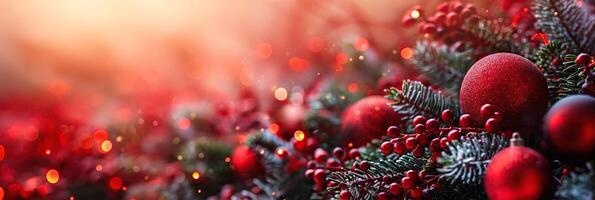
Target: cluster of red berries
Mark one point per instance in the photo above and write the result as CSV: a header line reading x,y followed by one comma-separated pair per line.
x,y
322,164
408,185
449,16
428,132
588,62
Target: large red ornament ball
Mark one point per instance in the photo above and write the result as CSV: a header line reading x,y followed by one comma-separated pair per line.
x,y
518,172
367,119
570,128
246,163
511,83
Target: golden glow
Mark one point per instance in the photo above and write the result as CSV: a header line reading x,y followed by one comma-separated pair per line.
x,y
280,151
299,135
281,94
52,176
106,146
195,175
415,14
407,53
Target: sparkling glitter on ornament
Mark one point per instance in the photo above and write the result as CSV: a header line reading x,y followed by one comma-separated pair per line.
x,y
281,94
184,123
105,146
195,175
52,176
115,183
299,135
264,50
407,53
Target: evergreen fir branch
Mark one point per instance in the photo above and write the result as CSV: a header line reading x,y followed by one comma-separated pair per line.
x,y
578,185
466,160
496,36
565,21
367,184
443,65
416,99
562,80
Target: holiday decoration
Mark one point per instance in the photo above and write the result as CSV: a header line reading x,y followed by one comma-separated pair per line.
x,y
518,172
367,119
246,163
569,128
512,84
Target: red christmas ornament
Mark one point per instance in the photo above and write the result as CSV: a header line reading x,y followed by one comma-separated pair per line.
x,y
509,82
570,128
518,172
367,119
246,163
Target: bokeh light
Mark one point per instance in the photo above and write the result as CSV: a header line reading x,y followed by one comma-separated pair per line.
x,y
52,176
281,94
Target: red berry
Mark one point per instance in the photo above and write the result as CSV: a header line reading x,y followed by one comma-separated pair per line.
x,y
419,151
422,138
339,152
457,6
399,148
408,21
443,142
320,155
435,145
454,135
309,173
465,120
382,196
311,164
452,19
420,128
407,182
344,195
416,193
410,143
386,148
434,186
354,153
412,174
440,18
393,131
319,175
447,115
423,174
497,116
582,59
432,124
467,12
419,120
443,7
394,189
364,165
486,111
332,163
492,125
355,166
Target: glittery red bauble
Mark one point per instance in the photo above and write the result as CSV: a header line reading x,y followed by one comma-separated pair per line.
x,y
518,172
367,119
246,163
511,83
570,128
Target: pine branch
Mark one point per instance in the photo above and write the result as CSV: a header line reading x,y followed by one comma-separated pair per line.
x,y
562,80
496,36
367,184
443,65
416,99
565,21
466,160
578,185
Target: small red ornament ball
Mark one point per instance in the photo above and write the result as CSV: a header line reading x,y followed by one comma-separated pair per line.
x,y
518,172
367,119
509,82
570,128
246,163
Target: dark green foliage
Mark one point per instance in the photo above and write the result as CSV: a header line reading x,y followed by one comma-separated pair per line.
x,y
496,36
366,185
565,21
417,99
563,80
443,65
215,172
465,160
578,185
